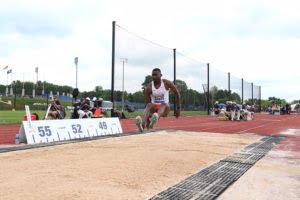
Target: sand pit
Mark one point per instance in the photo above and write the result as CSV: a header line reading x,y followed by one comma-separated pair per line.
x,y
133,167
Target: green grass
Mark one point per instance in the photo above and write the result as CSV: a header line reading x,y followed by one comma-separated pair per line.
x,y
16,117
33,103
39,106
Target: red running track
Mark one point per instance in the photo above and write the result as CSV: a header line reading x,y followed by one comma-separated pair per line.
x,y
262,124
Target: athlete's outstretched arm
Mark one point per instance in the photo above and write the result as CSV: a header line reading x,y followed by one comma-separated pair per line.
x,y
177,96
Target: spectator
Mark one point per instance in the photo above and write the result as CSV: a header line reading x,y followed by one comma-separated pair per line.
x,y
288,108
85,110
57,111
235,114
216,108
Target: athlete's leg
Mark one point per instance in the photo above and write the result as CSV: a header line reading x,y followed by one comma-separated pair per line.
x,y
139,123
149,110
163,111
142,122
147,123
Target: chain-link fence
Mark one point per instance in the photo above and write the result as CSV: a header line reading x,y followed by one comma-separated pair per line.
x,y
200,85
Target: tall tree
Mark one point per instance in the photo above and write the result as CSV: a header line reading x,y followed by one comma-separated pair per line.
x,y
98,88
183,91
147,80
235,97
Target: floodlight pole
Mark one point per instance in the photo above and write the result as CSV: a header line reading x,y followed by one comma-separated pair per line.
x,y
23,90
6,91
76,63
208,98
113,68
43,87
242,90
174,63
37,74
11,89
15,100
37,78
123,60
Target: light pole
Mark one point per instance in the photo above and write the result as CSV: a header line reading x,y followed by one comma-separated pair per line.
x,y
37,77
43,87
6,91
76,63
37,74
23,90
11,89
123,60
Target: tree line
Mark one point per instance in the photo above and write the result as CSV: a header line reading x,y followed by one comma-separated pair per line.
x,y
189,96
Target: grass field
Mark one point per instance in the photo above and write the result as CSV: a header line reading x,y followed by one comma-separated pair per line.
x,y
16,117
39,106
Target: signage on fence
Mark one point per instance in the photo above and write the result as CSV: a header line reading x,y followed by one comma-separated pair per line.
x,y
42,131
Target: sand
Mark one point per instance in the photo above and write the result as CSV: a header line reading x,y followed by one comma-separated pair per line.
x,y
131,167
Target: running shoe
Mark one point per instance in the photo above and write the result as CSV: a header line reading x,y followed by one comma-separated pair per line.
x,y
154,119
139,123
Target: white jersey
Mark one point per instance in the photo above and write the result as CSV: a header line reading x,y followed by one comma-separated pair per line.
x,y
160,95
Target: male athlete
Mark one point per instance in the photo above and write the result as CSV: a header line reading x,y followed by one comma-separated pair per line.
x,y
157,101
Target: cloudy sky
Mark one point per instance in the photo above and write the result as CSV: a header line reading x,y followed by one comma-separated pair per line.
x,y
257,40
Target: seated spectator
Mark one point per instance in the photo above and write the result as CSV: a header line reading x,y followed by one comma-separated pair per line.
x,y
216,108
229,109
235,113
223,115
246,114
97,110
288,108
75,108
36,116
57,111
92,104
297,108
98,113
85,110
98,103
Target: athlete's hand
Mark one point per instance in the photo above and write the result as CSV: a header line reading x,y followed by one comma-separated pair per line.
x,y
177,113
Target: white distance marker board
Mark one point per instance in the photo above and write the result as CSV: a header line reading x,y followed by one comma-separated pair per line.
x,y
43,131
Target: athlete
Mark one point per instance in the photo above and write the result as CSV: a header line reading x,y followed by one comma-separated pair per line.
x,y
157,101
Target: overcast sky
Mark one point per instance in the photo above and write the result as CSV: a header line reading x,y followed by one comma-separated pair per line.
x,y
258,40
